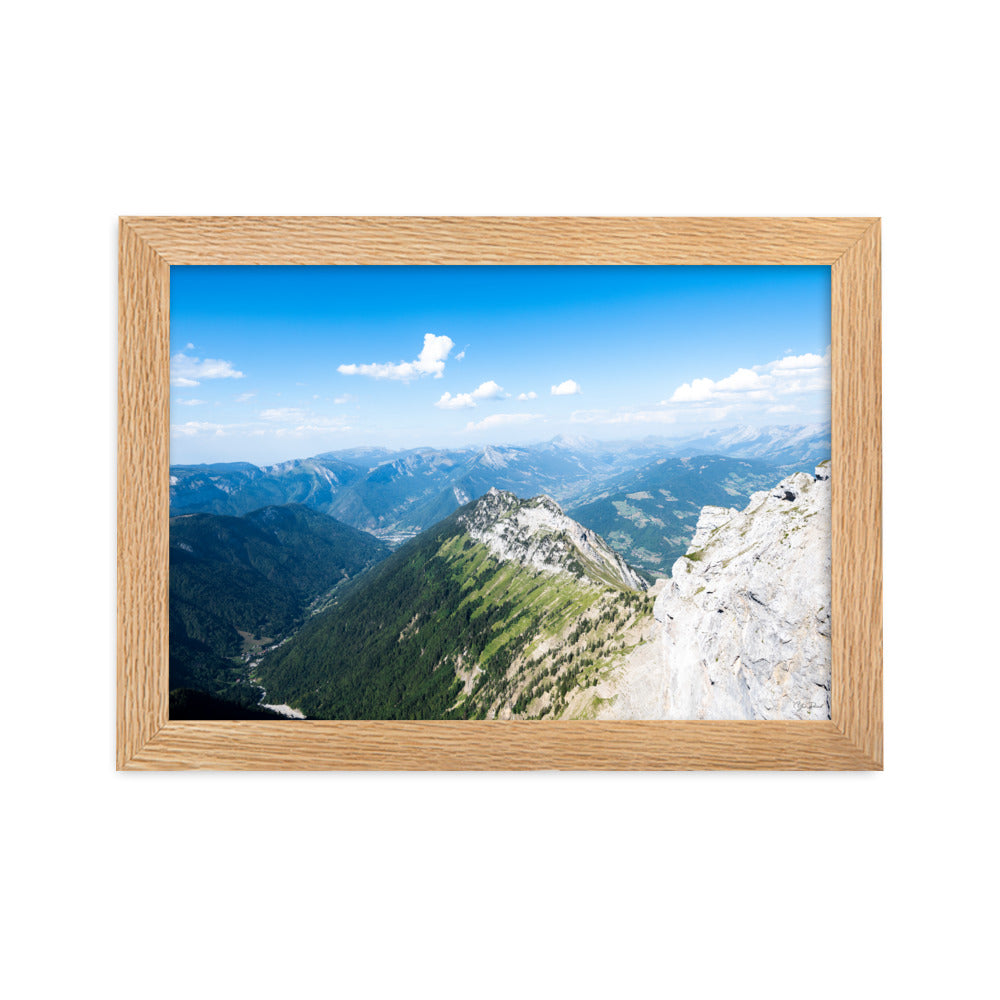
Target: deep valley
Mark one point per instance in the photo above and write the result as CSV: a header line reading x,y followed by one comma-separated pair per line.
x,y
499,583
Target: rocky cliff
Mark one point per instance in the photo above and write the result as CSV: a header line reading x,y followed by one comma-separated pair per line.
x,y
744,622
537,534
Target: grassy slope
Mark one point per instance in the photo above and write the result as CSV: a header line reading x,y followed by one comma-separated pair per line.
x,y
442,629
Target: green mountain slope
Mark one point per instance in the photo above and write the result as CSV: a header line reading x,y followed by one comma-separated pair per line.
x,y
461,622
649,516
239,582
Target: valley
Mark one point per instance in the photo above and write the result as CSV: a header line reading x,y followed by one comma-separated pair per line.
x,y
463,597
238,584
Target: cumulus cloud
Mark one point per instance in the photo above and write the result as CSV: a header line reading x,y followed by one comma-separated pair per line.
x,y
186,371
501,420
693,392
742,380
489,390
429,362
800,363
791,375
527,395
567,388
460,401
467,400
245,397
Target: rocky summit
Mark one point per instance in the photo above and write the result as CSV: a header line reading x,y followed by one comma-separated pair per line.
x,y
743,625
537,534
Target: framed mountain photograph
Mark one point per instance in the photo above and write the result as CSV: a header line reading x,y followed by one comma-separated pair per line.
x,y
504,493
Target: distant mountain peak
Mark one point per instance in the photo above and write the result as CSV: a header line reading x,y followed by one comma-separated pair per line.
x,y
537,534
494,457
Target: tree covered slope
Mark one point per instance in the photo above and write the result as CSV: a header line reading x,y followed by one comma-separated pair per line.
x,y
650,515
504,609
237,581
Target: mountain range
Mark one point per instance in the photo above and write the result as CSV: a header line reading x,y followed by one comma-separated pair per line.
x,y
789,448
396,494
483,595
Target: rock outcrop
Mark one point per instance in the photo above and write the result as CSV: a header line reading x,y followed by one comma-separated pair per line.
x,y
538,534
744,622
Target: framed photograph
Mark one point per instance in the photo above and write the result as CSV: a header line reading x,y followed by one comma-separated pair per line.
x,y
499,493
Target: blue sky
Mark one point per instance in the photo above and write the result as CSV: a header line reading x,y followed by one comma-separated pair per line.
x,y
271,363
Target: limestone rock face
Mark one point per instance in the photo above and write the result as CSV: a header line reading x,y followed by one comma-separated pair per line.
x,y
538,534
744,621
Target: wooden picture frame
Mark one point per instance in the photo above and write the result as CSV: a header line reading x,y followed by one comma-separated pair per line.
x,y
148,740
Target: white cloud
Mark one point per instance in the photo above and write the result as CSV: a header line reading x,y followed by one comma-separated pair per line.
x,y
800,363
460,355
467,400
501,420
186,371
245,397
489,390
314,425
527,395
742,380
283,413
190,347
195,428
276,423
567,388
346,398
430,362
461,401
791,375
782,408
190,402
693,392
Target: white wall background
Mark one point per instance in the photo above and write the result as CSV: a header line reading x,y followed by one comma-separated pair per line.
x,y
498,885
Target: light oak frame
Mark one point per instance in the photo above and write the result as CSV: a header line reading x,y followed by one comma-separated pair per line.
x,y
147,740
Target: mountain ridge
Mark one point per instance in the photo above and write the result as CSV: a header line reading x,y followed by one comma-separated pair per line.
x,y
397,494
492,613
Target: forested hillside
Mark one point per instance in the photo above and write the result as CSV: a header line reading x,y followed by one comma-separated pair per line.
x,y
649,515
447,628
238,583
